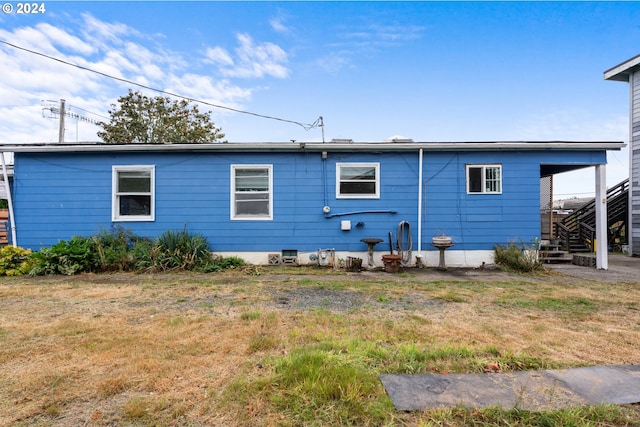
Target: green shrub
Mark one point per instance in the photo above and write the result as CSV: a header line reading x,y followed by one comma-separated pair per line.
x,y
142,253
518,257
15,261
113,249
70,257
221,264
121,250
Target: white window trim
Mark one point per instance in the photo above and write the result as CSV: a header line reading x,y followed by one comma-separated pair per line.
x,y
115,206
232,206
484,167
375,165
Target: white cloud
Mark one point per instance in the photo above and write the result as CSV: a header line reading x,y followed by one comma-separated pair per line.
x,y
218,92
278,25
116,50
63,39
335,61
104,32
251,60
573,125
218,55
365,40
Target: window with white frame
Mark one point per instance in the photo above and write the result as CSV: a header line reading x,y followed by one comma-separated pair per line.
x,y
133,193
358,180
484,179
251,192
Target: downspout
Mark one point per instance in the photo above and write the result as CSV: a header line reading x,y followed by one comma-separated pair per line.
x,y
12,220
420,204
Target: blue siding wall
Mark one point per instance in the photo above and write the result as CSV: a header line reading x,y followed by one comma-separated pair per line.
x,y
58,196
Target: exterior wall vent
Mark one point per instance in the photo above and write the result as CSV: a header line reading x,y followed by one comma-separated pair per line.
x,y
275,259
289,257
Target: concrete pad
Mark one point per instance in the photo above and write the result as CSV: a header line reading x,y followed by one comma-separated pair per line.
x,y
529,390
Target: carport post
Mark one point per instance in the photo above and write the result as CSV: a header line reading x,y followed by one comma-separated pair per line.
x,y
602,244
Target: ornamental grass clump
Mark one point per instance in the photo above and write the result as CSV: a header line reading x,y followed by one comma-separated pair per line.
x,y
175,250
518,257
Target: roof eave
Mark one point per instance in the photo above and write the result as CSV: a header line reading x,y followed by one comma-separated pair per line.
x,y
621,72
318,146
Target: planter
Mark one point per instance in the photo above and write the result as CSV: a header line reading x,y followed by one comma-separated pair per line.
x,y
441,240
391,263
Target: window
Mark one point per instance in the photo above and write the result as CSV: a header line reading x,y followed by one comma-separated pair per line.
x,y
358,180
133,193
251,192
484,179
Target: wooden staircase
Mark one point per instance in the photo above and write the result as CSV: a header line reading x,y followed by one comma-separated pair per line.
x,y
4,227
576,233
552,253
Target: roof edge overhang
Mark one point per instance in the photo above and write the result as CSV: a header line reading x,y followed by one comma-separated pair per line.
x,y
622,71
317,146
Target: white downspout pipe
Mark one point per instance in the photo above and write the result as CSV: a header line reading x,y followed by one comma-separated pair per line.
x,y
602,245
12,219
420,204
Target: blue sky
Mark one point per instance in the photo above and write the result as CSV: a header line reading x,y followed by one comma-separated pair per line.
x,y
430,71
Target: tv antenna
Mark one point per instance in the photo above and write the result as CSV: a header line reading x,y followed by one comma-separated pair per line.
x,y
60,112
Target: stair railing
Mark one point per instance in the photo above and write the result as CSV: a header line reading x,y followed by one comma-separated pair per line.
x,y
587,235
563,234
583,219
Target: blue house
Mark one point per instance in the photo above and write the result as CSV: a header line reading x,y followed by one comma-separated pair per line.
x,y
306,202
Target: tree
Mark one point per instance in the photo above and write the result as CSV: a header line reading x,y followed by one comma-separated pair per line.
x,y
140,119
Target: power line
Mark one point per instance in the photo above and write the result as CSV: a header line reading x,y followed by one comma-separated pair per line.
x,y
307,127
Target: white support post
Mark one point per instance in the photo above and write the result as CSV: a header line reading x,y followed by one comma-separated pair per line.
x,y
602,245
631,189
12,220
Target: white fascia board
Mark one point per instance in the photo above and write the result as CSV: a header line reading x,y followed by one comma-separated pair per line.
x,y
318,147
621,71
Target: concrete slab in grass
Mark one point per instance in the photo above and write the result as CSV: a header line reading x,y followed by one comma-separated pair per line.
x,y
530,390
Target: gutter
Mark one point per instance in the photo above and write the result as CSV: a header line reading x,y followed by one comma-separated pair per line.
x,y
319,147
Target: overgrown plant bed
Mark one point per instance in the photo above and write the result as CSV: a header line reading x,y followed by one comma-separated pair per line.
x,y
295,346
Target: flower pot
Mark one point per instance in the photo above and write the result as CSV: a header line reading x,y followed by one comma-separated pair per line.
x,y
391,263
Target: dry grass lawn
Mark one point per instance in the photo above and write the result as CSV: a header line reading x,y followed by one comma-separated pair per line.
x,y
128,349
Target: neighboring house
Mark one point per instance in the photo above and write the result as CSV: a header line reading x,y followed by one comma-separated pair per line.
x,y
294,199
6,167
629,71
6,175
